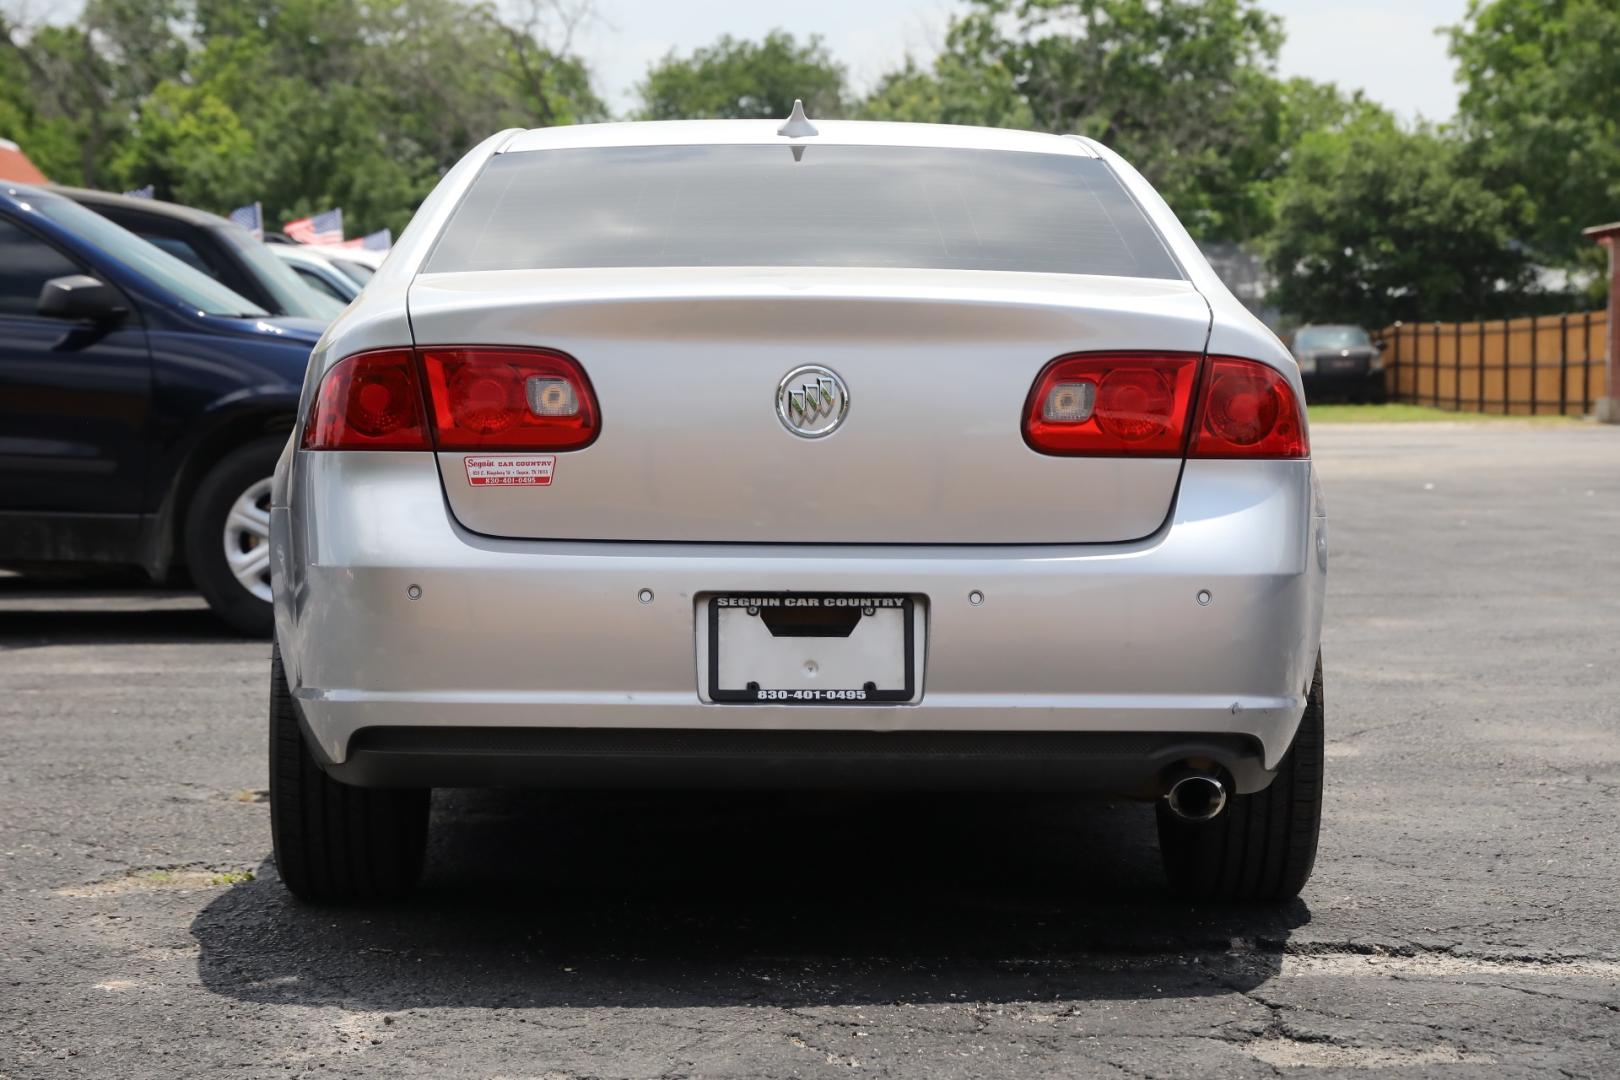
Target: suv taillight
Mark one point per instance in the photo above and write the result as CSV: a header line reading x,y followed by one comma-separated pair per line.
x,y
1143,405
477,398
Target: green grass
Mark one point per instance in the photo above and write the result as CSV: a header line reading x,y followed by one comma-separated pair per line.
x,y
1400,413
192,878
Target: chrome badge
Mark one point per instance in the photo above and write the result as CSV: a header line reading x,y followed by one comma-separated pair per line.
x,y
811,401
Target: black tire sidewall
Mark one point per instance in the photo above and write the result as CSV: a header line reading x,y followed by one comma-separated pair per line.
x,y
330,841
1262,847
205,527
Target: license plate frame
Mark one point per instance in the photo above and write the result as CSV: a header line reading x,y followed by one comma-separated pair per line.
x,y
906,604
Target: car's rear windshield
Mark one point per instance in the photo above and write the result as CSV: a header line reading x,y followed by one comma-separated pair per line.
x,y
822,205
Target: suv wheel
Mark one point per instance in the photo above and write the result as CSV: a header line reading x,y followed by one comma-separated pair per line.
x,y
1262,846
227,537
333,841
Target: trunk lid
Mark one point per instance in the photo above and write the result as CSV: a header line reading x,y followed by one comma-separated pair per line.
x,y
686,364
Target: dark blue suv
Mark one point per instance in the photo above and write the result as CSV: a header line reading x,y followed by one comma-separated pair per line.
x,y
142,407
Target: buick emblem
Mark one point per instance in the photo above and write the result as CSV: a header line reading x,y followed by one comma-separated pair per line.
x,y
812,401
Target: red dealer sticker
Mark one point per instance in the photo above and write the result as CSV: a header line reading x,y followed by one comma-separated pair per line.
x,y
509,470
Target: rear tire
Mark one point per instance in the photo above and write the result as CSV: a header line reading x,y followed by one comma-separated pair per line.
x,y
1262,847
333,841
229,519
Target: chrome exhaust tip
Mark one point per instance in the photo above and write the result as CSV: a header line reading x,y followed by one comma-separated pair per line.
x,y
1198,797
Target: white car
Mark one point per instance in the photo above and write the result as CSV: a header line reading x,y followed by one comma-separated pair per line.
x,y
317,271
358,264
840,454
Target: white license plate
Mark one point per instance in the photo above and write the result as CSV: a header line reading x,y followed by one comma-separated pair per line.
x,y
811,648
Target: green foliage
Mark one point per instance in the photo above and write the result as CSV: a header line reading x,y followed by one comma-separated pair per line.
x,y
309,104
1540,110
300,104
1306,106
734,79
1402,413
80,81
1363,221
1376,224
949,93
51,143
970,82
192,145
1182,88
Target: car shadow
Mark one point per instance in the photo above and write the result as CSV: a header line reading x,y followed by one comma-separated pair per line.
x,y
674,899
101,609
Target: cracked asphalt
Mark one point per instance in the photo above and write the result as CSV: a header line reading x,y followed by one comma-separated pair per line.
x,y
1464,919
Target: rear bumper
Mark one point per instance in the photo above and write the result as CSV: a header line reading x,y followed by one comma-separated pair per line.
x,y
1130,764
508,635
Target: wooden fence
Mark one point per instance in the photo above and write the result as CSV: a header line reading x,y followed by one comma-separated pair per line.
x,y
1553,364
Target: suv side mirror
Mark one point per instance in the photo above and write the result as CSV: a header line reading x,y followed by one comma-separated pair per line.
x,y
80,297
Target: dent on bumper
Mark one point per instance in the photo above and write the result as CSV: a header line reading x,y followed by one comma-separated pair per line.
x,y
508,633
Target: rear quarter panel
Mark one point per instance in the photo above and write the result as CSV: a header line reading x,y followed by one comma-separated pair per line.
x,y
1234,329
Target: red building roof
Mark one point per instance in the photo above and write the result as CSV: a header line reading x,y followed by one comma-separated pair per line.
x,y
15,166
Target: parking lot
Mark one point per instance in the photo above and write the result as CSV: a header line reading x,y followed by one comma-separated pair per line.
x,y
1463,920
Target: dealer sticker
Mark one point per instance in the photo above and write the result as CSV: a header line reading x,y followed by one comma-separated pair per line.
x,y
526,470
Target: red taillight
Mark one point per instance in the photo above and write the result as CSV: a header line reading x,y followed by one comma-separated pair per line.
x,y
490,399
1104,404
508,399
1137,404
1247,410
369,401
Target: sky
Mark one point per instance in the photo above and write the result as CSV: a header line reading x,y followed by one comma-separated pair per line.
x,y
1388,48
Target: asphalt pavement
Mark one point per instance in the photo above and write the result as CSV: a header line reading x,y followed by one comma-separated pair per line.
x,y
1464,920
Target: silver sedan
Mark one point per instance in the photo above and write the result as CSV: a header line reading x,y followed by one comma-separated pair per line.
x,y
808,454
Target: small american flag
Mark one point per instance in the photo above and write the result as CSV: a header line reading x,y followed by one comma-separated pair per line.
x,y
381,240
323,228
251,218
142,192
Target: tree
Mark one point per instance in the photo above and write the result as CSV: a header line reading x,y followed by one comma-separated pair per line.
x,y
83,80
742,79
968,83
1306,106
51,141
299,104
1540,109
1182,88
1376,224
193,145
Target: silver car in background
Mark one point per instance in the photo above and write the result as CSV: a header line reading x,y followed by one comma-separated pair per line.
x,y
836,455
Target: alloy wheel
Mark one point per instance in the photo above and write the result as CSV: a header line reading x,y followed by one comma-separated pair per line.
x,y
247,539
